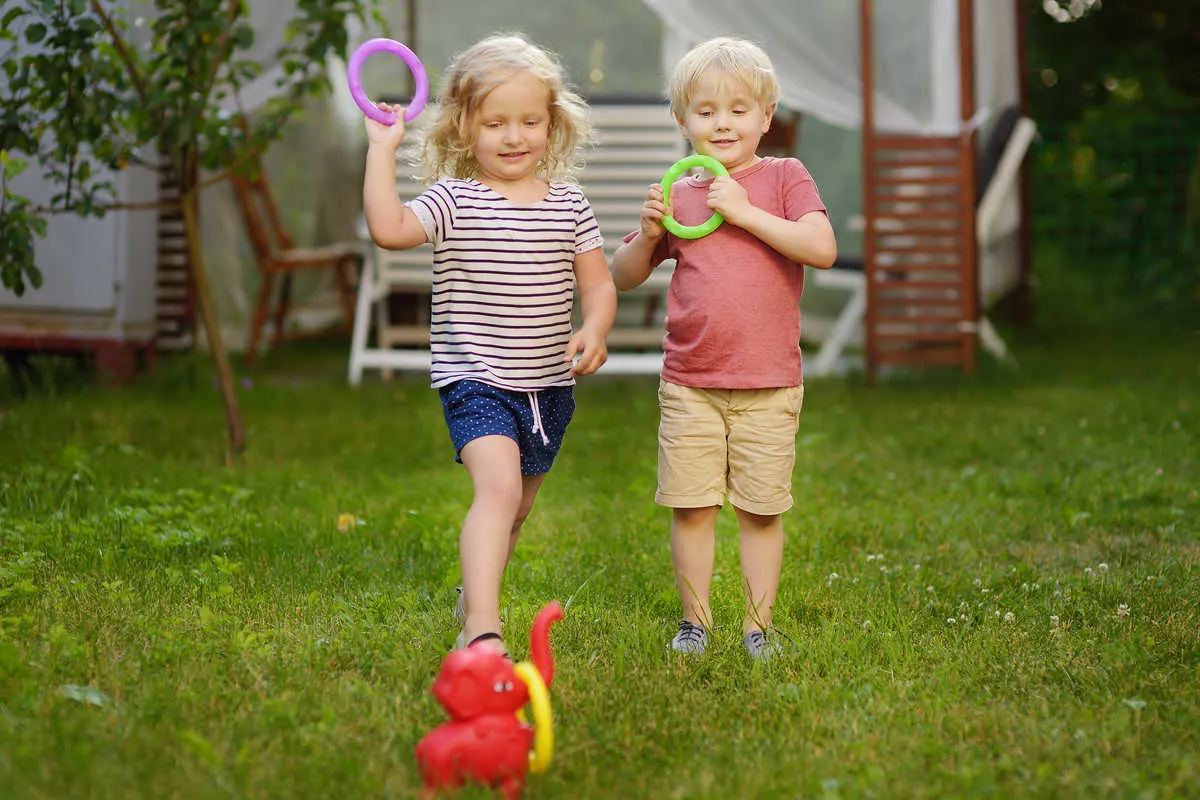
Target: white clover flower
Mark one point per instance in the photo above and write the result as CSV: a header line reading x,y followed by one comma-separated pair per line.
x,y
929,589
1010,617
1025,586
1122,611
1102,567
1054,620
951,620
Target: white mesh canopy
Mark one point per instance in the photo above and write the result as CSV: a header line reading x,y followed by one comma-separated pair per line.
x,y
814,45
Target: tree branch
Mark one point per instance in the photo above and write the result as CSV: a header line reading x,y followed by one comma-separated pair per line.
x,y
139,82
149,205
224,47
249,153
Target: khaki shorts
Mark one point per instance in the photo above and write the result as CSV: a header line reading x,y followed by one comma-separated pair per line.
x,y
739,443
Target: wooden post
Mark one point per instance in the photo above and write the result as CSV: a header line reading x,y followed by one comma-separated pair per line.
x,y
1024,296
970,254
868,182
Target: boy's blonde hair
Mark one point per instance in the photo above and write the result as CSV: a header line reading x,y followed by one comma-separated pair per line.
x,y
742,60
474,73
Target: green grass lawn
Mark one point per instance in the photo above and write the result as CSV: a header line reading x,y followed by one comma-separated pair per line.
x,y
990,582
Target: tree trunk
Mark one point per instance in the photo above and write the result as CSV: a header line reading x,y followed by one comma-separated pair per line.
x,y
189,197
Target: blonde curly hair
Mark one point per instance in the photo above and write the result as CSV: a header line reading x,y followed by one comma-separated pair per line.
x,y
447,145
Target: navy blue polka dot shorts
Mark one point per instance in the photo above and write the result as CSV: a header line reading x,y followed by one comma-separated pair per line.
x,y
536,421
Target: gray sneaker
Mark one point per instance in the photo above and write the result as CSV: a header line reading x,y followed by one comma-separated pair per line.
x,y
460,610
761,646
691,638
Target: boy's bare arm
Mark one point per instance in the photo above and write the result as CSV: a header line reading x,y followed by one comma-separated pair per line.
x,y
809,240
631,262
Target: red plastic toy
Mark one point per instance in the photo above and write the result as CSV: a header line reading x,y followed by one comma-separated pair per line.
x,y
486,741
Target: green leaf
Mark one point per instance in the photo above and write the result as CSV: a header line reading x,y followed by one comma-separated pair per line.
x,y
35,33
12,14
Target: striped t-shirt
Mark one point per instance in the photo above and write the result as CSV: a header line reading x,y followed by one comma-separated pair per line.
x,y
503,282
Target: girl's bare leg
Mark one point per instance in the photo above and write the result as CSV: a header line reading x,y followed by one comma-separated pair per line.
x,y
503,499
486,541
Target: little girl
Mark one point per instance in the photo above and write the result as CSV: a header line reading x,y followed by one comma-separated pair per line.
x,y
511,241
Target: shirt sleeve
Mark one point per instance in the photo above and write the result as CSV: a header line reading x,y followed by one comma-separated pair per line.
x,y
800,195
434,209
587,230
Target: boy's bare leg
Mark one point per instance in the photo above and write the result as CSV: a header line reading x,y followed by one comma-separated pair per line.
x,y
486,541
761,546
693,548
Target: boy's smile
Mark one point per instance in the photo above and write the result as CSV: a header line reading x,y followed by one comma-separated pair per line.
x,y
722,120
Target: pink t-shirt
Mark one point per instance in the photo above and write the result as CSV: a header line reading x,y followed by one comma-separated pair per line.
x,y
733,307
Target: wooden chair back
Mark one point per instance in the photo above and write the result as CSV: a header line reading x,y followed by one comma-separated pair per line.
x,y
267,234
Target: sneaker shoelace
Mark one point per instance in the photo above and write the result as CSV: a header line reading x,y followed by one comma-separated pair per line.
x,y
690,633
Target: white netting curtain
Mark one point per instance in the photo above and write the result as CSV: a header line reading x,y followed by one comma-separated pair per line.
x,y
814,45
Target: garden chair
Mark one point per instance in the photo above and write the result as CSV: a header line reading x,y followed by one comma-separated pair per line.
x,y
999,163
278,258
637,142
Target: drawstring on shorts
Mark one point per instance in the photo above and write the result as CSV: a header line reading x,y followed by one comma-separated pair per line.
x,y
537,417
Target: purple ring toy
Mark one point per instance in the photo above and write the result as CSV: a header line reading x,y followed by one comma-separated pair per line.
x,y
420,80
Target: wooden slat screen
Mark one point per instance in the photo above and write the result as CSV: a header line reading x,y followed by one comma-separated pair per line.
x,y
176,310
921,270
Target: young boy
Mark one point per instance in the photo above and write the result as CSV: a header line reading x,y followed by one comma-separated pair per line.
x,y
731,386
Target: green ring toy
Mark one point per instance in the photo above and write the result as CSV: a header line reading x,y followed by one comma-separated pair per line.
x,y
709,225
